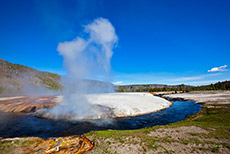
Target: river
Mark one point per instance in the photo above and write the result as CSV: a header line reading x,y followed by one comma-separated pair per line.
x,y
21,125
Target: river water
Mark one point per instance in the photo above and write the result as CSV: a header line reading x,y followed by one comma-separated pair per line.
x,y
19,125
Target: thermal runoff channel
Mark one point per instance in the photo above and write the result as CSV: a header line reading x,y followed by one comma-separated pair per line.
x,y
88,92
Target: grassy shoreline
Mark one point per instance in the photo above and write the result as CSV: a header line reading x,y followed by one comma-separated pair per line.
x,y
215,122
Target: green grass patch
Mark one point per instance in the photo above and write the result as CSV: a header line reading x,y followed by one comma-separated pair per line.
x,y
194,134
195,140
50,80
215,120
215,149
167,140
120,133
204,149
186,142
119,139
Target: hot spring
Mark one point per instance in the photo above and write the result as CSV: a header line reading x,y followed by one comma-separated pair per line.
x,y
18,125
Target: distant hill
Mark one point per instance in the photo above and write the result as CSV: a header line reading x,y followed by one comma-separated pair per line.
x,y
225,85
151,88
18,79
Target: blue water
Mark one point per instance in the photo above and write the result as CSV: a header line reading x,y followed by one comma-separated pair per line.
x,y
16,125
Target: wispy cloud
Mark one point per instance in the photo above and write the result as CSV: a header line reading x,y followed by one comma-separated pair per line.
x,y
205,82
118,82
172,79
218,69
192,78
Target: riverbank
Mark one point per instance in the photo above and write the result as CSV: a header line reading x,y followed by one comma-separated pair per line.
x,y
204,132
207,131
208,99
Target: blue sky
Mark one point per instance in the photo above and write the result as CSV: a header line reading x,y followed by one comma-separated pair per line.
x,y
160,42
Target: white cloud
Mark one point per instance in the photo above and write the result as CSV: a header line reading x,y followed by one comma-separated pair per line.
x,y
118,82
218,69
205,82
192,78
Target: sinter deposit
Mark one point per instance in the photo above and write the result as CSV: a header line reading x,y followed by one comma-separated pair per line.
x,y
109,104
204,97
116,105
24,104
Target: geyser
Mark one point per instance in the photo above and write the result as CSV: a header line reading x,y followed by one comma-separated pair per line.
x,y
86,58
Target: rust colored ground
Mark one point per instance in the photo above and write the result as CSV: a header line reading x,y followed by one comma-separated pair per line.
x,y
64,145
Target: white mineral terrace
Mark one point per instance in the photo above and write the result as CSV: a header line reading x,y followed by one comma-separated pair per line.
x,y
128,104
207,97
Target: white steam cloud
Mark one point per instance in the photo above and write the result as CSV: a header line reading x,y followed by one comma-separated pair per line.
x,y
85,58
92,54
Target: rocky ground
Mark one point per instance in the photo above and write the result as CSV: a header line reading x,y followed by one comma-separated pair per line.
x,y
183,139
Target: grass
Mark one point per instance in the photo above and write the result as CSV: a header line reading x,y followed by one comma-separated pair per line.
x,y
167,140
18,144
20,68
192,140
215,149
119,139
50,80
186,142
215,120
194,134
122,133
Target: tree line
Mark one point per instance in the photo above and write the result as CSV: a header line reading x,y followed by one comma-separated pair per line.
x,y
225,85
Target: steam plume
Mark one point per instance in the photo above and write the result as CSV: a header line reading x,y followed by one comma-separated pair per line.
x,y
85,58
